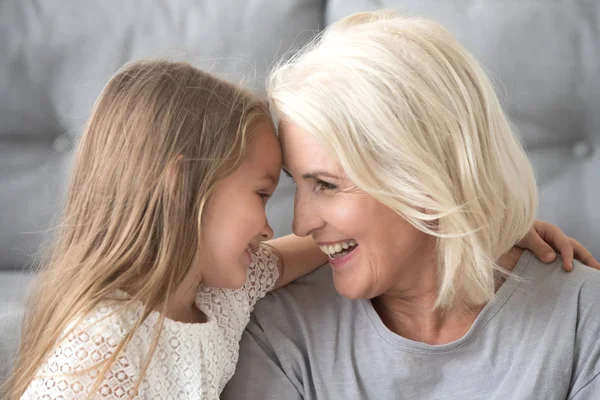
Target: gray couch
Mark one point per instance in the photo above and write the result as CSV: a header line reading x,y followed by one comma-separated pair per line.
x,y
544,57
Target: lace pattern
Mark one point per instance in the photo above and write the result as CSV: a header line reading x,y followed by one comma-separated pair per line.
x,y
191,361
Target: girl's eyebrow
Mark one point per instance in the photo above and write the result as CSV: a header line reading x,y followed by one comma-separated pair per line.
x,y
270,177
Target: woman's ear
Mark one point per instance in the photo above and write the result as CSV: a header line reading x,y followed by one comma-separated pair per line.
x,y
173,176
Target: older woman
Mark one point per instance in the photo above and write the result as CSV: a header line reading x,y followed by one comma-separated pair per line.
x,y
409,176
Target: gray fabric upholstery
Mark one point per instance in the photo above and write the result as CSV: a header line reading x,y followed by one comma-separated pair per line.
x,y
10,330
57,54
13,287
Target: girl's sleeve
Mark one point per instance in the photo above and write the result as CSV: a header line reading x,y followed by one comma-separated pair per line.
x,y
262,274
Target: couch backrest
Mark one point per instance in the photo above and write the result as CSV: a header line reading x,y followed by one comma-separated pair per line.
x,y
544,57
57,55
10,332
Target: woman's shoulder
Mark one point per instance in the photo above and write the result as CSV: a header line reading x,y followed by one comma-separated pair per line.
x,y
584,282
573,294
305,301
587,279
310,290
581,278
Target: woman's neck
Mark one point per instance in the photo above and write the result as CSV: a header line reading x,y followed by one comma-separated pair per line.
x,y
415,318
410,313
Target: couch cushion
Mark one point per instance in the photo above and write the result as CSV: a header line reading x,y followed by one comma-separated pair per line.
x,y
57,55
13,288
10,332
544,58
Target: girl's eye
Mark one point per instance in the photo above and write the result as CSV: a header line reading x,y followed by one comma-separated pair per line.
x,y
264,196
325,186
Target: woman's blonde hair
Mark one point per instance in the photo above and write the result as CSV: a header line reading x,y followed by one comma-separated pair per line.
x,y
160,136
414,122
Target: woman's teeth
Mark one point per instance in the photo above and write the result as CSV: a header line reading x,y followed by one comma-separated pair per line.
x,y
339,249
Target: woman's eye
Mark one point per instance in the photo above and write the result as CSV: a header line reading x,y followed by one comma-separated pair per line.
x,y
289,176
325,186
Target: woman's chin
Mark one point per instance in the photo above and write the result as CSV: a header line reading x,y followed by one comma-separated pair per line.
x,y
348,288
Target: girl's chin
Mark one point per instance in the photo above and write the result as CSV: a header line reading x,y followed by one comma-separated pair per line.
x,y
234,279
234,285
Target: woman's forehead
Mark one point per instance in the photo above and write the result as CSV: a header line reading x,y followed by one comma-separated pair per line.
x,y
302,153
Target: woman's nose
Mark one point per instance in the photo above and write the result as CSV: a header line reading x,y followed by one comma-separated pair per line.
x,y
306,219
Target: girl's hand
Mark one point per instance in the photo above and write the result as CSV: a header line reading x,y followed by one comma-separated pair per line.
x,y
545,239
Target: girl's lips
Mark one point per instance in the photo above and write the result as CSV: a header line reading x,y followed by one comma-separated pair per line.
x,y
250,250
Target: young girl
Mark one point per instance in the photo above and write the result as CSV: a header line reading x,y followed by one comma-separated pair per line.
x,y
159,261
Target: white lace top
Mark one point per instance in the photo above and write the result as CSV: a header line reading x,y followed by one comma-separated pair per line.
x,y
191,361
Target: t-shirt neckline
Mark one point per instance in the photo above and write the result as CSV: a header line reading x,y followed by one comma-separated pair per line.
x,y
488,312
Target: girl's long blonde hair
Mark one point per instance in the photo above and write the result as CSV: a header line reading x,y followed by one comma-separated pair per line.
x,y
414,121
129,224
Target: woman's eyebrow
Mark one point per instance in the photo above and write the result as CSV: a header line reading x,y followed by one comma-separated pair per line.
x,y
320,174
314,175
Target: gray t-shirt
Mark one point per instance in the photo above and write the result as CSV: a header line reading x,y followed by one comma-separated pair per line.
x,y
537,339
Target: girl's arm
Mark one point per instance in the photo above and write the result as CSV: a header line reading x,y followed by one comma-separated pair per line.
x,y
297,257
545,239
300,255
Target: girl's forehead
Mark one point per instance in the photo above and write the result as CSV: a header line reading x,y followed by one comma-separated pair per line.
x,y
264,151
